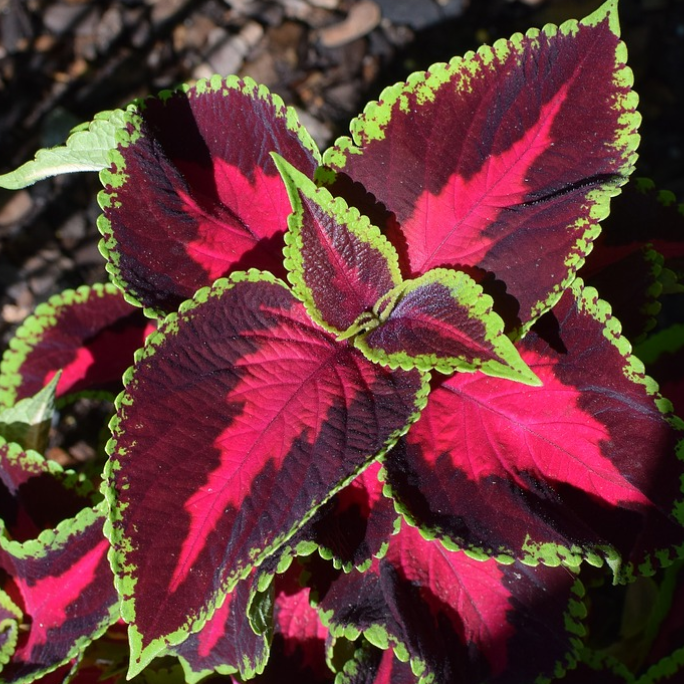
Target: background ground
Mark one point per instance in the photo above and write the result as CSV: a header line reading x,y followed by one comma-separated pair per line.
x,y
63,60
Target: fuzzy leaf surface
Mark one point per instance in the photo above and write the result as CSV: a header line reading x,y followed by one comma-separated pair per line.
x,y
443,320
455,618
90,334
67,590
549,473
339,264
87,149
183,205
282,416
503,160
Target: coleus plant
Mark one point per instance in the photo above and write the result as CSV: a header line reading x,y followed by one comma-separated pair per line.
x,y
376,407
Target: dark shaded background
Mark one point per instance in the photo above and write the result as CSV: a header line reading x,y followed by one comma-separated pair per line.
x,y
63,60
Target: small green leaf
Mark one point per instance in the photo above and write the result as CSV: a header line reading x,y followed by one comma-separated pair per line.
x,y
28,422
85,150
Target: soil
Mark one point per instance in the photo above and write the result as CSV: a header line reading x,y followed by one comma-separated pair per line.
x,y
61,61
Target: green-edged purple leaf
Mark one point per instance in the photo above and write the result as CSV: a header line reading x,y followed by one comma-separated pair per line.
x,y
633,286
642,215
227,643
193,193
90,333
356,524
443,321
457,619
505,159
339,264
240,418
588,465
36,494
67,594
370,665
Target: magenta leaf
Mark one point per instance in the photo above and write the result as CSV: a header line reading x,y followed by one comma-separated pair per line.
x,y
227,643
503,160
339,264
91,333
278,416
457,619
183,205
67,594
36,494
548,473
442,320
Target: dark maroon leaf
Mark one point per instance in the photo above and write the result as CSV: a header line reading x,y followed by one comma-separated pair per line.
x,y
193,193
504,160
458,619
36,494
356,524
371,665
67,594
227,643
642,215
588,465
632,286
278,416
339,264
91,333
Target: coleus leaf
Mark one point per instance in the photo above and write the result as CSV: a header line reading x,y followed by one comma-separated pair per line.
x,y
182,205
642,215
87,149
371,665
283,416
442,320
66,589
227,643
356,524
457,619
503,160
36,494
633,287
339,264
549,473
90,333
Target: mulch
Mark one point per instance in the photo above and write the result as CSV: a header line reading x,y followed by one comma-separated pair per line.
x,y
61,61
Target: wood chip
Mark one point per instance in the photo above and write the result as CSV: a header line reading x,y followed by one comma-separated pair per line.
x,y
363,17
